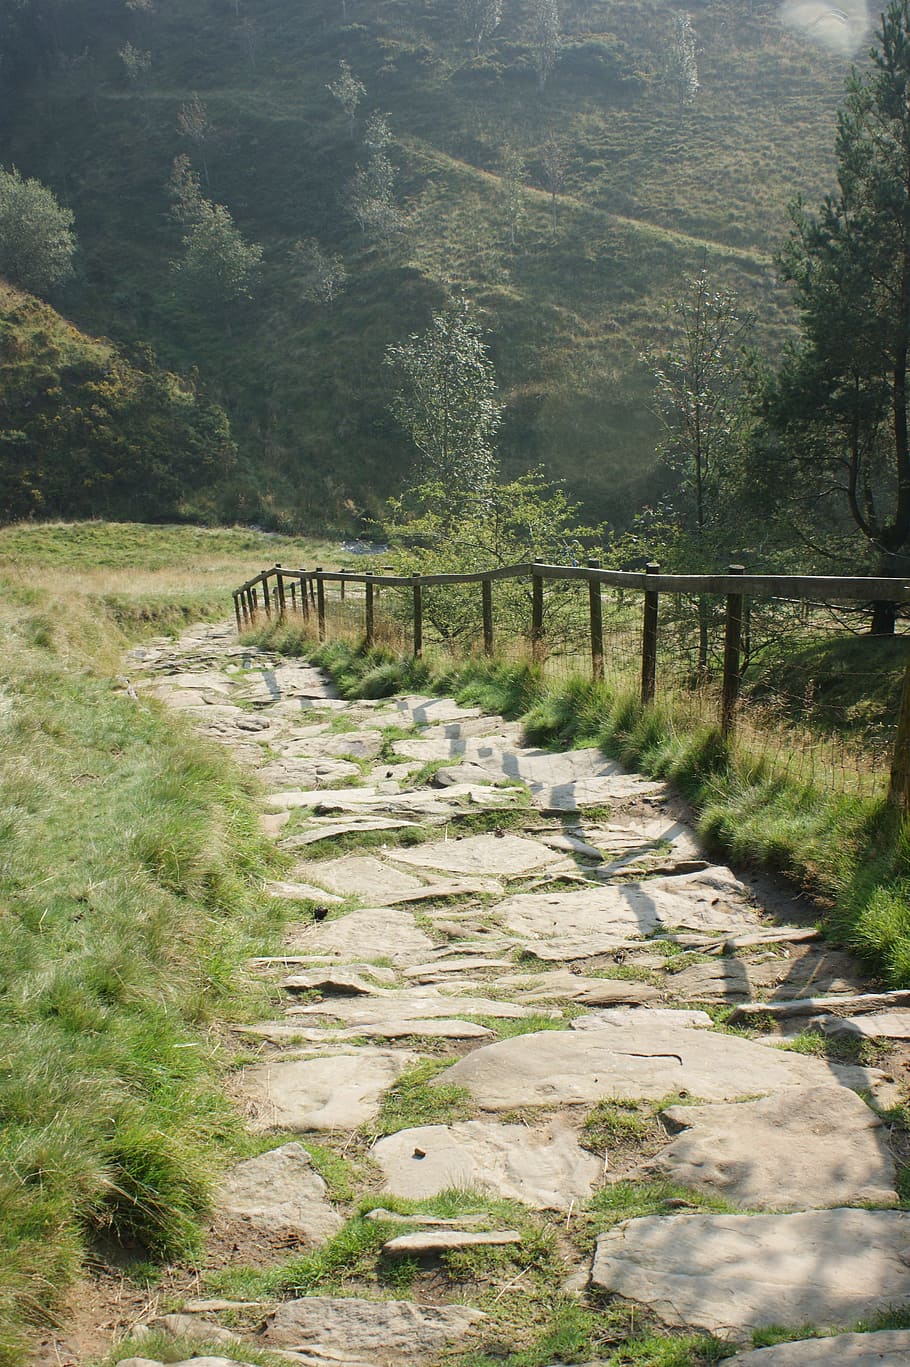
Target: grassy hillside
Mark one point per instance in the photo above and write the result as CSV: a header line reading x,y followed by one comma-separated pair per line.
x,y
651,191
86,430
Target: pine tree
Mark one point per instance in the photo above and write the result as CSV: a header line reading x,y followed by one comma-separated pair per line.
x,y
840,401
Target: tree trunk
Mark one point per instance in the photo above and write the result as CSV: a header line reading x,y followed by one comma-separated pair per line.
x,y
884,617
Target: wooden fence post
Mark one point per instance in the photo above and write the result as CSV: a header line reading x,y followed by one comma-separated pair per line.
x,y
248,595
536,615
649,639
237,612
266,596
320,602
733,630
343,571
597,624
312,590
487,592
899,790
293,596
304,600
370,623
279,588
418,617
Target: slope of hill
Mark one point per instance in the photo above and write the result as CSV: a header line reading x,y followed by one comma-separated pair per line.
x,y
652,190
84,429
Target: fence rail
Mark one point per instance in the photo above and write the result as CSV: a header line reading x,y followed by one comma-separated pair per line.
x,y
280,590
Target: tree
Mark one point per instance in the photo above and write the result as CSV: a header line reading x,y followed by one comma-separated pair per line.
x,y
700,382
37,243
546,38
137,63
481,19
217,265
839,404
371,192
193,122
512,189
348,91
447,401
680,66
320,277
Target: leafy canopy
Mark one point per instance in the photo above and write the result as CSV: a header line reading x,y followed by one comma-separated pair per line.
x,y
36,239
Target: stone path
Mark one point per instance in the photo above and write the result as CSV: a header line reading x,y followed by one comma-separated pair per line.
x,y
495,988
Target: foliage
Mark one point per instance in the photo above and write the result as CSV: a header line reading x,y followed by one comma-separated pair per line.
x,y
217,267
84,431
546,38
447,401
131,863
838,406
347,90
505,524
320,276
481,19
680,62
371,193
36,239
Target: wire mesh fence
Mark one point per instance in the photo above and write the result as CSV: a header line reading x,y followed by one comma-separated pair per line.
x,y
789,663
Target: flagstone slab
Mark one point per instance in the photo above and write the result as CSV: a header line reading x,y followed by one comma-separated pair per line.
x,y
415,710
279,1193
803,1147
886,1346
314,832
505,856
634,1057
386,1333
380,880
368,933
301,892
296,774
411,1004
284,1032
434,1242
600,1020
543,1166
709,900
441,969
876,1025
732,1274
342,980
509,732
336,1092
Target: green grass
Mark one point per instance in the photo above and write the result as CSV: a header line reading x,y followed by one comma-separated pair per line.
x,y
416,1100
131,867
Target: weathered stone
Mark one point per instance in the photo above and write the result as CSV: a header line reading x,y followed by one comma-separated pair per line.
x,y
544,1166
411,1004
190,1327
335,981
554,986
803,1147
633,1057
322,829
847,1350
442,1241
336,1092
306,773
598,1020
415,710
507,856
877,1025
278,1192
387,1333
442,969
461,773
712,900
374,932
368,876
731,1274
283,1032
301,892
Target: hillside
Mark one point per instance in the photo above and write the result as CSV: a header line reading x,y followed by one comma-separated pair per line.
x,y
86,429
652,189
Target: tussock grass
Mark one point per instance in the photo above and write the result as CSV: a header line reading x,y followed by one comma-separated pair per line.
x,y
131,868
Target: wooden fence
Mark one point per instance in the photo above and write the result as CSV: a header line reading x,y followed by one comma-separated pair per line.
x,y
279,591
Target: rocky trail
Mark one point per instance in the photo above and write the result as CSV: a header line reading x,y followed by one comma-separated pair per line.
x,y
501,1026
